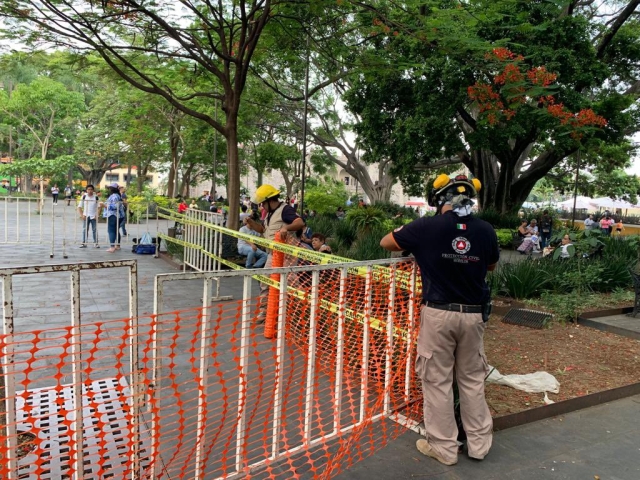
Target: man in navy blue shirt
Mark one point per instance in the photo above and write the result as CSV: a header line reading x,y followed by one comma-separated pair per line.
x,y
454,251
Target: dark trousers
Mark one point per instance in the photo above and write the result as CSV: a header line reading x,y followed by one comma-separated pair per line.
x,y
112,230
545,237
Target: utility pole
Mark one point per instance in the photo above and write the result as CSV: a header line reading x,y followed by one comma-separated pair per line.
x,y
304,128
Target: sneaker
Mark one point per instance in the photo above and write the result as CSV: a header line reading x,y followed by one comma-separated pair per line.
x,y
423,447
82,246
97,246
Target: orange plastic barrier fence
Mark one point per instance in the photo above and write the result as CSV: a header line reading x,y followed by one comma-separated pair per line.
x,y
217,398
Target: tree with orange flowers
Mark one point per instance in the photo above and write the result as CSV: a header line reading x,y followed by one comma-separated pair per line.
x,y
510,90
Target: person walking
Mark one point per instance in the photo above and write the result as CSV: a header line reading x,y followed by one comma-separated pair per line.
x,y
280,217
88,210
114,213
55,191
67,194
454,251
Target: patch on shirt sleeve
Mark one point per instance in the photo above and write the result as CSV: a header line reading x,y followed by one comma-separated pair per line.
x,y
398,229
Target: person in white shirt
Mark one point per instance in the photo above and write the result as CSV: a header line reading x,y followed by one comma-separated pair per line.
x,y
88,209
256,258
243,213
589,222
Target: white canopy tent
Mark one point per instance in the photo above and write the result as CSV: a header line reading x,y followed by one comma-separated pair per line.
x,y
582,203
606,202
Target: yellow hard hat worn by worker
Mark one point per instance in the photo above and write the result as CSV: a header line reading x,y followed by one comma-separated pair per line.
x,y
457,190
265,192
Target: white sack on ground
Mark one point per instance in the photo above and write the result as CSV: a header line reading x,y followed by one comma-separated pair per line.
x,y
537,382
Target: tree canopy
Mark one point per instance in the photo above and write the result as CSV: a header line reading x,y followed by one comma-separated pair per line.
x,y
509,89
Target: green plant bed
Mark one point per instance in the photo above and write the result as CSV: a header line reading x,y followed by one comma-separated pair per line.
x,y
567,307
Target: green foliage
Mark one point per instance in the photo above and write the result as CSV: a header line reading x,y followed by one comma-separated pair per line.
x,y
344,235
505,237
326,197
324,223
40,168
567,307
175,250
367,247
367,219
499,220
576,275
524,279
394,210
147,204
423,73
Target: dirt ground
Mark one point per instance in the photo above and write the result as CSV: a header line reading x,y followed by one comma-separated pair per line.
x,y
582,359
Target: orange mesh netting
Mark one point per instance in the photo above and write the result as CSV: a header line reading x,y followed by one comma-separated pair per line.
x,y
215,397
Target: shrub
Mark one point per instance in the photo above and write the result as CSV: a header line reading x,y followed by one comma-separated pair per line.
x,y
392,210
367,247
499,220
505,237
344,234
326,197
366,219
324,224
525,279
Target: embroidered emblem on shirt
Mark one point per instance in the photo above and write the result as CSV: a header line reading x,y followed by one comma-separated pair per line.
x,y
461,245
461,226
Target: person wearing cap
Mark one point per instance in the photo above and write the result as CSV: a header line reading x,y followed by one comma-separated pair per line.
x,y
114,213
280,217
454,251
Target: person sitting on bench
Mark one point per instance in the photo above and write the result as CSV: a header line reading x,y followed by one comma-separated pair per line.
x,y
256,258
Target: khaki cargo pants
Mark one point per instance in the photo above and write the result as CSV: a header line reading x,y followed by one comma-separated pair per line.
x,y
451,341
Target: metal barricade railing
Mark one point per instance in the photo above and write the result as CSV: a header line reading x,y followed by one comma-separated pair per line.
x,y
210,240
61,226
77,395
344,342
198,392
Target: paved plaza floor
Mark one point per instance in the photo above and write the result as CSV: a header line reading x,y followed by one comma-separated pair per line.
x,y
601,442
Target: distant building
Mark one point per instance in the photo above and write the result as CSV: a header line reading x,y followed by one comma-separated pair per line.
x,y
119,175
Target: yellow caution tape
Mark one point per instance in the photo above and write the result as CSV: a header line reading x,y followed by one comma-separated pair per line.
x,y
380,273
350,314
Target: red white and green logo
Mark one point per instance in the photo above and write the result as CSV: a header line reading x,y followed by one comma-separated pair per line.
x,y
461,245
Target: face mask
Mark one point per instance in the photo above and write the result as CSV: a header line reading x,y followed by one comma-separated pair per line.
x,y
463,211
461,205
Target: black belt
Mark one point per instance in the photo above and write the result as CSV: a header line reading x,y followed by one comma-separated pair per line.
x,y
455,307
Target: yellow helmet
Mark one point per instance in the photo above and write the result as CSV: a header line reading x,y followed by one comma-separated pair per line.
x,y
460,185
265,192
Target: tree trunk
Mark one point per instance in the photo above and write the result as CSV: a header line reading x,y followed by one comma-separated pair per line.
x,y
186,181
140,182
288,182
233,171
94,177
171,180
497,176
